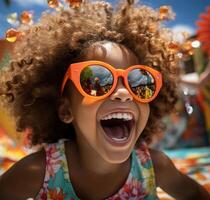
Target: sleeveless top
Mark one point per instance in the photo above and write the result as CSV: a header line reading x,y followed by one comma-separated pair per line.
x,y
140,183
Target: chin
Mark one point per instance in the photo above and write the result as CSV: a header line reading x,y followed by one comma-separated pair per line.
x,y
116,157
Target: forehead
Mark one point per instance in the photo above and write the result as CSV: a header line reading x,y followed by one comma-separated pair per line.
x,y
115,54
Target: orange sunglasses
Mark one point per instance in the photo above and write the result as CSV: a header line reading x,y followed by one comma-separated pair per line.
x,y
97,80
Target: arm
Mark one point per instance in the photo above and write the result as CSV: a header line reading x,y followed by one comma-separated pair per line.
x,y
199,81
173,181
24,179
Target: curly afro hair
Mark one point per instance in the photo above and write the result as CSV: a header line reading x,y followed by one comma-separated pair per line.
x,y
30,84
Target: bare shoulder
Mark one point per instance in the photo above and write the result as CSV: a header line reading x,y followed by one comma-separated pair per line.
x,y
160,160
25,178
163,167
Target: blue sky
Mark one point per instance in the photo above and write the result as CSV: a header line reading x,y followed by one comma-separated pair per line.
x,y
187,11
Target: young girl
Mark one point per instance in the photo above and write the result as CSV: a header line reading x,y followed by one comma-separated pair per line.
x,y
91,84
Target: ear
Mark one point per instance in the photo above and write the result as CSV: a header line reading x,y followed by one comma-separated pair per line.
x,y
64,111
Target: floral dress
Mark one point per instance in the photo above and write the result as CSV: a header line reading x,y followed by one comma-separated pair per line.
x,y
140,183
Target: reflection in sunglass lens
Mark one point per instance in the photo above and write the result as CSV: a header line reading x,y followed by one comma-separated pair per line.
x,y
141,83
96,80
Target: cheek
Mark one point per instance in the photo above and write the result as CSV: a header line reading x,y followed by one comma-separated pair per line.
x,y
83,111
85,123
144,111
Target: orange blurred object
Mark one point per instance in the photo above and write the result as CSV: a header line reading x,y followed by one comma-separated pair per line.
x,y
53,3
26,17
203,31
173,46
12,35
74,3
164,12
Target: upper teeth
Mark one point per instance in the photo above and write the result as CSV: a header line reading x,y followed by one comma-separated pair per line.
x,y
125,116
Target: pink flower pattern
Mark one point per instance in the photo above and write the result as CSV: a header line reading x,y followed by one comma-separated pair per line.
x,y
135,187
53,160
132,189
143,154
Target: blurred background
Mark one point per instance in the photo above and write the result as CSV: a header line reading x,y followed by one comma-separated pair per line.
x,y
187,136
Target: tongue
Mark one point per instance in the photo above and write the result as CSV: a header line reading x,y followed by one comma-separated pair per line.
x,y
117,132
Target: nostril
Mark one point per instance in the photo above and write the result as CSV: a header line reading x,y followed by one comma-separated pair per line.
x,y
121,98
127,99
117,98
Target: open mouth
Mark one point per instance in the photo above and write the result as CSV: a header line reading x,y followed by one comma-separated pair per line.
x,y
118,127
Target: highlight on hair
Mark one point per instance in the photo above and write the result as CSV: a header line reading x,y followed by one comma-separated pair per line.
x,y
30,84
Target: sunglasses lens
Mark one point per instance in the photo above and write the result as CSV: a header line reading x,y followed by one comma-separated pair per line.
x,y
96,80
141,83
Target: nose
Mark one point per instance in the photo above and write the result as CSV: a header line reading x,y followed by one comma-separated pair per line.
x,y
121,93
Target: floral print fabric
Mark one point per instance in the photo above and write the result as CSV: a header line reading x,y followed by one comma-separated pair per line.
x,y
140,184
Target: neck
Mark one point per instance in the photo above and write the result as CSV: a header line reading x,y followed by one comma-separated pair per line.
x,y
88,165
90,161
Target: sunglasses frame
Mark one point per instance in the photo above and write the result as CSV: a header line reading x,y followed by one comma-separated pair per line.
x,y
75,69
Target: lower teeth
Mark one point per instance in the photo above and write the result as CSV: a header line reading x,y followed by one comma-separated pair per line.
x,y
119,140
117,133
